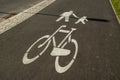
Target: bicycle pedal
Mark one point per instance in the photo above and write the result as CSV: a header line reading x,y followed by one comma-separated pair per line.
x,y
60,52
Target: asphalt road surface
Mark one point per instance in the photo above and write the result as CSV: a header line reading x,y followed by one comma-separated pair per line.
x,y
98,40
8,7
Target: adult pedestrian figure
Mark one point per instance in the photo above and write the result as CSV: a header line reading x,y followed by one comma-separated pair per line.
x,y
66,15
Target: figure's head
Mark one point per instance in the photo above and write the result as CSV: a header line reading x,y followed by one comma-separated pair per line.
x,y
71,11
84,16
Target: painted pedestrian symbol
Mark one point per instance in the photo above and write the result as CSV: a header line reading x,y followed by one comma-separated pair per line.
x,y
82,20
66,15
59,49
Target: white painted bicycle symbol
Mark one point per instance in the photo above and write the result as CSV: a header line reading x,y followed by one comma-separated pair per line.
x,y
58,50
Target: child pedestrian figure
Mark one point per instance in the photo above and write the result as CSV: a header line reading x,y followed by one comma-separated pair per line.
x,y
83,19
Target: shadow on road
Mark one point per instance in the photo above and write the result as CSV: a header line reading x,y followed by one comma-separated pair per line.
x,y
91,19
7,13
96,19
46,14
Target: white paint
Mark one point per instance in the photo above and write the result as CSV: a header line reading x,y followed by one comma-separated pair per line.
x,y
58,50
64,31
61,69
26,60
54,42
63,52
17,19
66,15
63,26
69,34
82,20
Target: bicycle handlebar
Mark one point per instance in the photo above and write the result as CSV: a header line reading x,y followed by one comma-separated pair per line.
x,y
64,26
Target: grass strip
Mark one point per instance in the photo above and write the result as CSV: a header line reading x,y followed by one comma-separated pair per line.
x,y
116,4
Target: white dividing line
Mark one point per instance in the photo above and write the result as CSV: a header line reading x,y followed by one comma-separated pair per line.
x,y
19,18
114,11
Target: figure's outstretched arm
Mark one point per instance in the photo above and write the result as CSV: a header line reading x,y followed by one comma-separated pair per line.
x,y
75,16
61,14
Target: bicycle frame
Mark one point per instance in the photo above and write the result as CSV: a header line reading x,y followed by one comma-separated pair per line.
x,y
68,36
58,49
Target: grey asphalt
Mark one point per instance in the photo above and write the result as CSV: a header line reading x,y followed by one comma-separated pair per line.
x,y
8,7
99,44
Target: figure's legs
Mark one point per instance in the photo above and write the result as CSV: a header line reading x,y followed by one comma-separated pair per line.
x,y
67,19
83,21
59,18
86,20
79,20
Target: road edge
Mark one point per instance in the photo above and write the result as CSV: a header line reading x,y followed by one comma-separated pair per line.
x,y
114,11
22,16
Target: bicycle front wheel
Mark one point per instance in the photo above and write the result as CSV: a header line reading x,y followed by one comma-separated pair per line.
x,y
65,67
33,52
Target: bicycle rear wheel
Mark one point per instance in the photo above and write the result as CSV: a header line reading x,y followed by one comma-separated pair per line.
x,y
62,69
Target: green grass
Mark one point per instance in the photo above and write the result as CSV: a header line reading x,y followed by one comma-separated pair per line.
x,y
116,4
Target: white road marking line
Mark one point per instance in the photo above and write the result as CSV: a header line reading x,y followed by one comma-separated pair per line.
x,y
19,18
